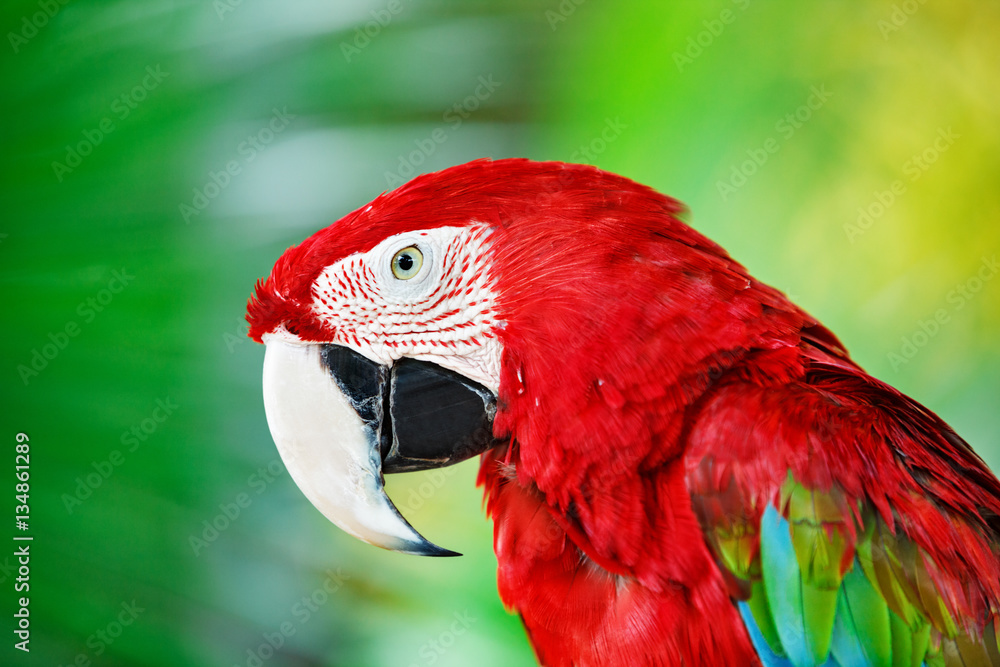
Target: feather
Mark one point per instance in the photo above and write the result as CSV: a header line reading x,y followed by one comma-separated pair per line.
x,y
862,634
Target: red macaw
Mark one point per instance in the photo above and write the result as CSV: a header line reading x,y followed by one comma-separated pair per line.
x,y
682,466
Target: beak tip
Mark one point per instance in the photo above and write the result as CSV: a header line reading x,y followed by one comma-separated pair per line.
x,y
426,548
445,553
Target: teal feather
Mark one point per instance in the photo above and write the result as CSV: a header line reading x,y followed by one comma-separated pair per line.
x,y
764,651
791,602
862,634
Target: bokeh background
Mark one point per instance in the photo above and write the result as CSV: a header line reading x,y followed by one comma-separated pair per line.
x,y
158,156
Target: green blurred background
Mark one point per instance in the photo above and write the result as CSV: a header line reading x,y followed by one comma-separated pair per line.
x,y
159,156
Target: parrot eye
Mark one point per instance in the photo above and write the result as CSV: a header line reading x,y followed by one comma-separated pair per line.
x,y
407,262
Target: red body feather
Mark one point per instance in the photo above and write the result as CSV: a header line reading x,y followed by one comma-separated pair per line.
x,y
648,385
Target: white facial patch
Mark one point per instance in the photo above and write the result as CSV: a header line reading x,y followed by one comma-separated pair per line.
x,y
443,313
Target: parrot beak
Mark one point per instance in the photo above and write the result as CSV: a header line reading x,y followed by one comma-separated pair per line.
x,y
340,421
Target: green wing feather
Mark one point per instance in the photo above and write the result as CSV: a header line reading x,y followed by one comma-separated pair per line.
x,y
826,584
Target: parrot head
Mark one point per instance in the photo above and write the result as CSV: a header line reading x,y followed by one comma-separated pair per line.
x,y
415,331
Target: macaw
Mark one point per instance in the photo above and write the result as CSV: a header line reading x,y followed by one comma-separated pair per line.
x,y
682,466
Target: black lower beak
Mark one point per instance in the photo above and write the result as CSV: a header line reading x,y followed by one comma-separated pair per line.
x,y
426,416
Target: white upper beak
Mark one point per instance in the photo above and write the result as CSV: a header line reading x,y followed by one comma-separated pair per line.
x,y
332,455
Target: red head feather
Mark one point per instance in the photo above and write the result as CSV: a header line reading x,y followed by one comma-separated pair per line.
x,y
487,191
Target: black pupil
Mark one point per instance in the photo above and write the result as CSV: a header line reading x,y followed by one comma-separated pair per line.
x,y
405,262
